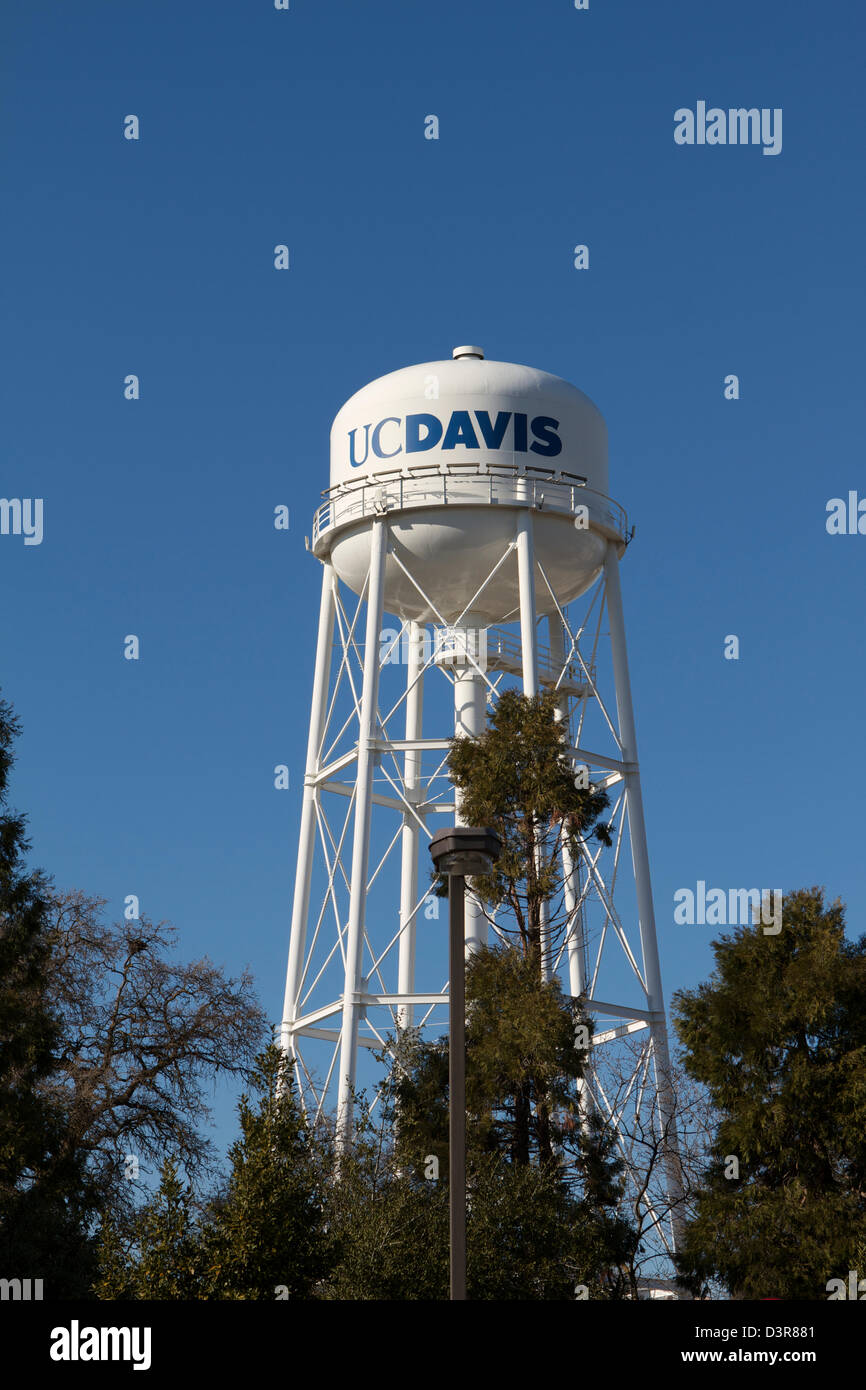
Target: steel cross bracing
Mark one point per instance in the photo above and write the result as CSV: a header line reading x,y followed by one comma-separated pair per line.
x,y
375,791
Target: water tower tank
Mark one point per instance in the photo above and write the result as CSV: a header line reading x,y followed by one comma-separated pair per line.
x,y
451,452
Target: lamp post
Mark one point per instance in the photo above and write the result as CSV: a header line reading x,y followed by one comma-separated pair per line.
x,y
461,852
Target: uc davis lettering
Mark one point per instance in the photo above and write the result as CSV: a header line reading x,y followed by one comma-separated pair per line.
x,y
394,435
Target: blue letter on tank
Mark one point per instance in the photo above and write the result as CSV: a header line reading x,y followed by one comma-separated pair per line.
x,y
414,439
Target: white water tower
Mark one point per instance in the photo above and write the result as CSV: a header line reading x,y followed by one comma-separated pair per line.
x,y
468,509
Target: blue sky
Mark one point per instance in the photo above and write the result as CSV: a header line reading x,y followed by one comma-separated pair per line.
x,y
306,127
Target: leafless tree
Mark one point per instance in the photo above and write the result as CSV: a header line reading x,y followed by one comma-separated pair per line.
x,y
644,1141
143,1036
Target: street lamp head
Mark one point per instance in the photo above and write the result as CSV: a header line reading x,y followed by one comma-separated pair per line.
x,y
466,850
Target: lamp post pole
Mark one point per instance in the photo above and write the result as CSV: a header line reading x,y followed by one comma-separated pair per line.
x,y
459,852
457,1084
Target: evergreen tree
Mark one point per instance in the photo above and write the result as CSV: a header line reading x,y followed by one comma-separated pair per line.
x,y
517,777
523,1066
530,1237
156,1254
389,1228
264,1236
778,1036
267,1235
544,1186
527,1238
46,1203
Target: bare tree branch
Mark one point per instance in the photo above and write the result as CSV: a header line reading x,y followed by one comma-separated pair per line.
x,y
143,1035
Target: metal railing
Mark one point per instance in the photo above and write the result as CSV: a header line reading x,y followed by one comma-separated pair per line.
x,y
466,485
505,652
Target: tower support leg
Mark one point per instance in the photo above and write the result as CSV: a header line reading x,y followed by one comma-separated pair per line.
x,y
529,651
646,913
526,579
411,829
307,833
352,1002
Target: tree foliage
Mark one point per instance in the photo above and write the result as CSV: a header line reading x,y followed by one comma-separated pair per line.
x,y
46,1200
778,1036
544,1185
527,1237
156,1253
516,776
263,1235
522,1070
269,1231
390,1229
107,1046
